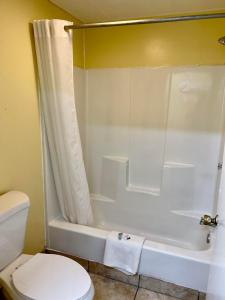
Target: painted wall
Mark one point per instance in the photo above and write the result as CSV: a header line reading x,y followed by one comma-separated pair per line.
x,y
20,141
168,44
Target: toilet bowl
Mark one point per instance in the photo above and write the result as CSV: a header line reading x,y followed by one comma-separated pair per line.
x,y
37,277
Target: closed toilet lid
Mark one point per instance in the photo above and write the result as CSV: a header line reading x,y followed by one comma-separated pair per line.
x,y
51,277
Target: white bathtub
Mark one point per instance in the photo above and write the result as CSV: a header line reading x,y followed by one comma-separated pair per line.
x,y
185,267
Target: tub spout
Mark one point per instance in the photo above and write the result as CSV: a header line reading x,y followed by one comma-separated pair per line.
x,y
208,220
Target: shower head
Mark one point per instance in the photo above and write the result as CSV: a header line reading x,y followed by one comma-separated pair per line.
x,y
222,40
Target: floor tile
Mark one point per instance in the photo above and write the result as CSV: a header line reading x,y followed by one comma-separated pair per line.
x,y
202,296
144,294
109,289
112,273
167,288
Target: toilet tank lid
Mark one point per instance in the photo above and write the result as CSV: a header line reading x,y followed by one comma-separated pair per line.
x,y
11,203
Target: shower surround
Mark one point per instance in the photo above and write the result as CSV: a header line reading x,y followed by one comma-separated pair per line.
x,y
152,141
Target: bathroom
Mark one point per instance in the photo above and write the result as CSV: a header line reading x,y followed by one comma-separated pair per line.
x,y
140,143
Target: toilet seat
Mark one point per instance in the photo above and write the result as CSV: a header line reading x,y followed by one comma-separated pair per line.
x,y
50,276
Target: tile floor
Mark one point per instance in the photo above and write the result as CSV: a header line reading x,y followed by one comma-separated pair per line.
x,y
110,289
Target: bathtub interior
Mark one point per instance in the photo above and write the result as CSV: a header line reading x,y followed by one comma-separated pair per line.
x,y
180,231
152,140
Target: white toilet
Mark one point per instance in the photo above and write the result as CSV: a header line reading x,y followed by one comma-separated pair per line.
x,y
40,276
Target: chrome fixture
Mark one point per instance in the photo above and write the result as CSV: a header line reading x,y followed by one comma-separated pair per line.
x,y
209,221
222,40
120,235
146,21
208,238
220,164
123,236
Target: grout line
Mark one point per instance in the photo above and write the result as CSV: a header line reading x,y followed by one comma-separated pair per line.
x,y
136,292
114,279
139,280
138,286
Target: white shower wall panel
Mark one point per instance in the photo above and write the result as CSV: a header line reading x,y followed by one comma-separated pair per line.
x,y
127,117
195,120
108,116
147,126
151,140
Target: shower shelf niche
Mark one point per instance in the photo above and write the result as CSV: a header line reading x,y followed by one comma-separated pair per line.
x,y
115,179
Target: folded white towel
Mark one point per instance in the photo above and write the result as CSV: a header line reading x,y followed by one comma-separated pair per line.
x,y
123,251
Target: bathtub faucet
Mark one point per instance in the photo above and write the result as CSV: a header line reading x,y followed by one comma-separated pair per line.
x,y
208,220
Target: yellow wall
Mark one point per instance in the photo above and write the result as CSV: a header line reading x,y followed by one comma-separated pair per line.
x,y
20,145
167,44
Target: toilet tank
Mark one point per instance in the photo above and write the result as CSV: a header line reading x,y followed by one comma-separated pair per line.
x,y
13,217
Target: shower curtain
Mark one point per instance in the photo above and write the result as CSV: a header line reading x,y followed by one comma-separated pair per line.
x,y
55,65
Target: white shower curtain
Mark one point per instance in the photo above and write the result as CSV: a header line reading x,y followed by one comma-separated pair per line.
x,y
54,50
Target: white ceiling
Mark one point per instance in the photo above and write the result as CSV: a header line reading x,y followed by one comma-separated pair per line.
x,y
107,10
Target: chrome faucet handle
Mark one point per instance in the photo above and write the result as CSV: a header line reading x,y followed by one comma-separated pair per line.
x,y
209,221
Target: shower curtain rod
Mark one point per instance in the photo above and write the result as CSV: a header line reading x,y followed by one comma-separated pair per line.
x,y
146,21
